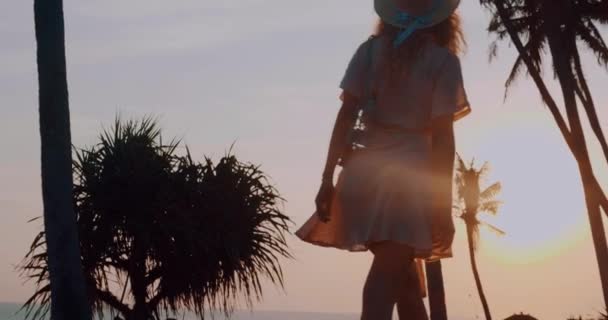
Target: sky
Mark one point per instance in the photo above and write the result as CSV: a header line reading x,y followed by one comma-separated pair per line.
x,y
264,74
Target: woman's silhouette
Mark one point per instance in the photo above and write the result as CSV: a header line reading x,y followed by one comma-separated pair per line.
x,y
393,195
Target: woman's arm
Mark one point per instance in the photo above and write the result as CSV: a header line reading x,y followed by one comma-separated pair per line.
x,y
344,122
442,161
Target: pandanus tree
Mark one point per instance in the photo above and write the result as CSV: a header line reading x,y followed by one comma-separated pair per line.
x,y
556,28
521,316
172,233
66,283
470,203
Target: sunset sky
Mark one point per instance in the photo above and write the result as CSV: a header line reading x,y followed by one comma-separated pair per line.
x,y
264,74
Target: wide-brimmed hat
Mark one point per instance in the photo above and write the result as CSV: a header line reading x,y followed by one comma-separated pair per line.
x,y
411,15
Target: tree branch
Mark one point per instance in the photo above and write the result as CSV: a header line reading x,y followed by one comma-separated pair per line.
x,y
153,303
588,104
601,196
109,299
153,275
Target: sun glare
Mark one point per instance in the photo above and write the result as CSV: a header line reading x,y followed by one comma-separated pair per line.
x,y
543,211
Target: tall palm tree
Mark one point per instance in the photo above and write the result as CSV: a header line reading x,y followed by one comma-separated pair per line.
x,y
556,27
68,297
174,233
472,201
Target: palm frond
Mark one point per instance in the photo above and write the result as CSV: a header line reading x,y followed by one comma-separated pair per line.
x,y
493,228
490,192
594,9
591,36
490,207
460,165
534,49
527,20
483,171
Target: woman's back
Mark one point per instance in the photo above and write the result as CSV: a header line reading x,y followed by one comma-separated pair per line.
x,y
412,93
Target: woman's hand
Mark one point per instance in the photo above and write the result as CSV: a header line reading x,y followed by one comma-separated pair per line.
x,y
339,141
323,201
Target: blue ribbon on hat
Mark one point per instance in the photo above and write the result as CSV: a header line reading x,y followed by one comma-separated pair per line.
x,y
413,23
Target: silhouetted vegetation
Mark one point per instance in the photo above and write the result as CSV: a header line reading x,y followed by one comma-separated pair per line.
x,y
470,202
173,234
601,316
557,27
521,316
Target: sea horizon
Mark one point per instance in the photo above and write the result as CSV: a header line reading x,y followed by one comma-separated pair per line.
x,y
8,311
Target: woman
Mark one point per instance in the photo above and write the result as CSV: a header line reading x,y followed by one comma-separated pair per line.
x,y
393,196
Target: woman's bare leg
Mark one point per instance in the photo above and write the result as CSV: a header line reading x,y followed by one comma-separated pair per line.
x,y
384,280
410,305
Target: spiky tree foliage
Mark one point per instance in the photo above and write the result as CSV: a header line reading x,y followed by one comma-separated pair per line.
x,y
528,19
556,28
601,316
173,234
470,202
521,316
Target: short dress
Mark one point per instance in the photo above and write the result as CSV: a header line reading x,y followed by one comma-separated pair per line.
x,y
384,192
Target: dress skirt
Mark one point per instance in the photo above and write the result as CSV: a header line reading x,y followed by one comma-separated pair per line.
x,y
383,193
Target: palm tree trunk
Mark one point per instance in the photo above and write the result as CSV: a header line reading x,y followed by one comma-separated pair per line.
x,y
559,47
584,94
482,296
68,292
589,105
594,195
437,305
137,274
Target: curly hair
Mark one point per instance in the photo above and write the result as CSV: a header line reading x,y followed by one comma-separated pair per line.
x,y
447,33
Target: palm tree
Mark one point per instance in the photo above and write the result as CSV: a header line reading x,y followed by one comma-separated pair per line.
x,y
67,289
557,27
472,201
174,234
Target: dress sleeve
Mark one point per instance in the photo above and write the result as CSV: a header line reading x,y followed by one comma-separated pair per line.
x,y
355,78
449,96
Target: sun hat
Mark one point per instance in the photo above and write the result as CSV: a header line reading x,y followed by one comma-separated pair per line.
x,y
411,15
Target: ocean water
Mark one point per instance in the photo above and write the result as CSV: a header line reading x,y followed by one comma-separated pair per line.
x,y
8,311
